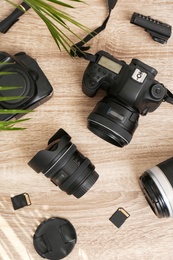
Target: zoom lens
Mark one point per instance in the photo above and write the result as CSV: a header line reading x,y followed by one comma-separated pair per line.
x,y
65,165
113,122
157,186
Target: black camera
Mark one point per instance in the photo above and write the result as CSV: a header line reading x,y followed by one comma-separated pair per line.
x,y
65,165
131,91
32,86
157,186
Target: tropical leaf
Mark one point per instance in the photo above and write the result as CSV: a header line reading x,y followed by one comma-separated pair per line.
x,y
10,125
56,20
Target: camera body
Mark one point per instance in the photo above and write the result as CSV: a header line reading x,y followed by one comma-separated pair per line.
x,y
131,91
132,84
31,84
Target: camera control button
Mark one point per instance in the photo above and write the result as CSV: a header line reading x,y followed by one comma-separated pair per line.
x,y
158,91
134,117
93,74
92,83
104,72
33,74
144,112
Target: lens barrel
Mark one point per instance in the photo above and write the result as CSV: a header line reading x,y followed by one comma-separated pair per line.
x,y
65,165
157,186
113,121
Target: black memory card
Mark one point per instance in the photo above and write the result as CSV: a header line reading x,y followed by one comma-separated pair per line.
x,y
119,217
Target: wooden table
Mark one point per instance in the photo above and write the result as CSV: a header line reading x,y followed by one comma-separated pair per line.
x,y
143,235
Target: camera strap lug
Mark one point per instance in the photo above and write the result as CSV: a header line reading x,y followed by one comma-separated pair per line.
x,y
169,97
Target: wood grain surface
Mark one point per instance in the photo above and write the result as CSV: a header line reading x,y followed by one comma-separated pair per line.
x,y
143,235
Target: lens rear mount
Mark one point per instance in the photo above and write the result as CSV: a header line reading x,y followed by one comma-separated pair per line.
x,y
157,186
153,196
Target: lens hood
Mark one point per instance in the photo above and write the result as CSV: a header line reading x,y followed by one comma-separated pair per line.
x,y
113,122
65,165
42,161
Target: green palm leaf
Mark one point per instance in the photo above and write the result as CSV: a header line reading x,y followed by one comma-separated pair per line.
x,y
9,125
56,20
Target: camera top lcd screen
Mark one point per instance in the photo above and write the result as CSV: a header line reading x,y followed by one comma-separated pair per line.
x,y
110,64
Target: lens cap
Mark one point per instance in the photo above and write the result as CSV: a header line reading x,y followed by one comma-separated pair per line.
x,y
54,238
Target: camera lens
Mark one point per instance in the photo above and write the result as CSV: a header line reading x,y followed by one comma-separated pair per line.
x,y
113,121
25,89
65,165
157,186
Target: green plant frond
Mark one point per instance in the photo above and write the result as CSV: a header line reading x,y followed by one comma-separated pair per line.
x,y
51,10
9,87
58,35
16,5
11,98
9,125
53,29
54,19
76,1
46,12
7,72
61,37
12,122
14,111
10,128
52,15
6,63
61,3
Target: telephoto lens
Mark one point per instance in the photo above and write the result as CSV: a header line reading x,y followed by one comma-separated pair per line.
x,y
65,165
157,186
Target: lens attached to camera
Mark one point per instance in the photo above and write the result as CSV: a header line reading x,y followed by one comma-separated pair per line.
x,y
113,121
26,85
26,88
65,165
157,186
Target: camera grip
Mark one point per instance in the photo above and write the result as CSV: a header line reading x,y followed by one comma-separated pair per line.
x,y
90,85
94,78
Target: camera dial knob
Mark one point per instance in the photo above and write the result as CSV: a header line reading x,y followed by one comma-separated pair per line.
x,y
158,91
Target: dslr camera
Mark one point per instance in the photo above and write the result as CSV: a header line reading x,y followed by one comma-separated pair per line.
x,y
30,84
131,91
